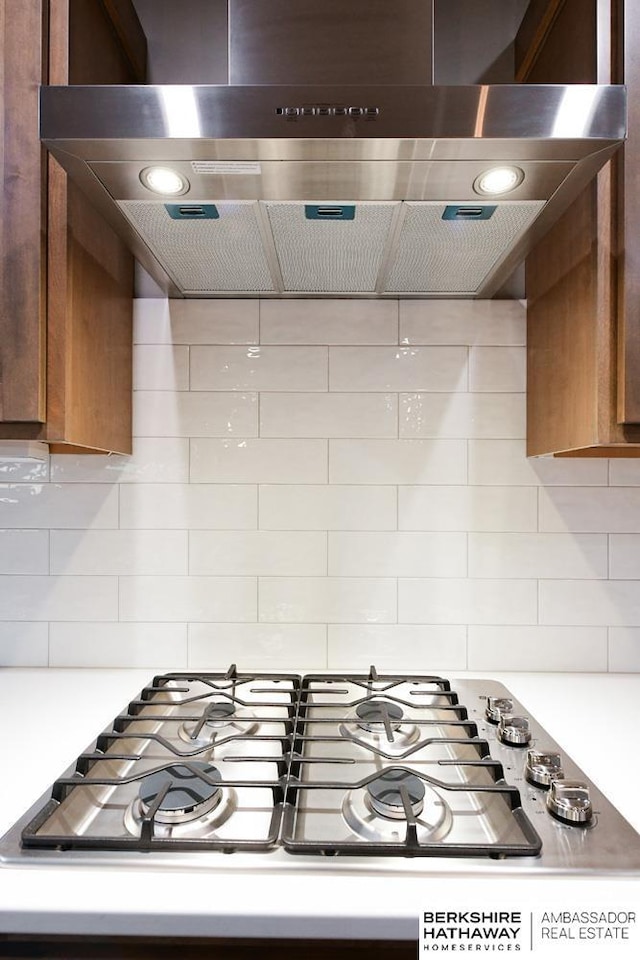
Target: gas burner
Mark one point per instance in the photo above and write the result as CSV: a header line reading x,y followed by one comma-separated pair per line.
x,y
182,801
377,812
379,723
219,718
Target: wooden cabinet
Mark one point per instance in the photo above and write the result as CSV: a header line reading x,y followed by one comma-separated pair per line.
x,y
583,279
66,279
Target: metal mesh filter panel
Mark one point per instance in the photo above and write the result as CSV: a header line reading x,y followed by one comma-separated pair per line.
x,y
342,256
205,256
454,256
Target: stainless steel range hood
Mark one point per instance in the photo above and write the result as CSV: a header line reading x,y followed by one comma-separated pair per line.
x,y
373,184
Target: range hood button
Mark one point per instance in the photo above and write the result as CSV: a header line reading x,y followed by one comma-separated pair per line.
x,y
569,802
514,731
542,767
496,706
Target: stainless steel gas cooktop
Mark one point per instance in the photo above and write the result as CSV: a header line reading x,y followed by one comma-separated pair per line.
x,y
347,765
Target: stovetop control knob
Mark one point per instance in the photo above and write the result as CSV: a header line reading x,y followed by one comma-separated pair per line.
x,y
496,706
514,731
543,767
569,801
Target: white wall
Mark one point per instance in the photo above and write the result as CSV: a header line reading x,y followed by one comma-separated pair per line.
x,y
324,484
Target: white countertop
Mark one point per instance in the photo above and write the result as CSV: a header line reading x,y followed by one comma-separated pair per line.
x,y
49,716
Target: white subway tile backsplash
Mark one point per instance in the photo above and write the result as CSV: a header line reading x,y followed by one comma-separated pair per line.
x,y
160,367
259,368
462,322
329,415
397,368
181,599
182,506
590,510
268,646
329,322
397,647
624,473
58,598
581,649
39,506
505,462
624,649
539,555
462,415
196,321
24,551
154,460
467,508
158,413
158,646
118,552
327,600
24,644
598,603
397,461
624,556
496,369
258,552
258,461
21,471
467,601
328,507
397,554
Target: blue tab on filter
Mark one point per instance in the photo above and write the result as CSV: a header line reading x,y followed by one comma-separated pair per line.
x,y
192,211
468,211
329,211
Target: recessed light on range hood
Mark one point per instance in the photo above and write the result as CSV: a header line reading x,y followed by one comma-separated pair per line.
x,y
498,180
164,180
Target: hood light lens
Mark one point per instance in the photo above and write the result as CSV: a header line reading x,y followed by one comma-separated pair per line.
x,y
498,180
164,180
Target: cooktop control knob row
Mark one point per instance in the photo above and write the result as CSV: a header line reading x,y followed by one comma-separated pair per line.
x,y
496,706
514,731
569,802
542,767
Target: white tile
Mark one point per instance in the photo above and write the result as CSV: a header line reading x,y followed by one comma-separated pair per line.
x,y
505,462
590,510
578,649
397,554
160,367
181,506
257,552
24,551
624,650
327,600
329,415
624,473
267,646
467,601
397,461
308,507
624,556
169,599
24,644
397,647
468,508
159,646
462,321
154,460
119,552
258,461
259,368
329,321
497,369
597,603
550,555
462,415
19,471
62,505
158,413
397,368
195,321
58,598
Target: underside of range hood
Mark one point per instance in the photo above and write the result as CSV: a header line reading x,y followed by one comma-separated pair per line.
x,y
367,186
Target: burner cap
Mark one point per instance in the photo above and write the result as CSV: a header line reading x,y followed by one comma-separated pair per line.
x,y
386,798
374,711
186,791
219,710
